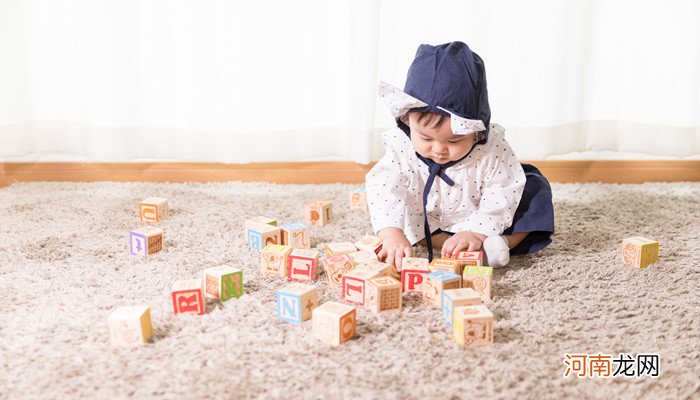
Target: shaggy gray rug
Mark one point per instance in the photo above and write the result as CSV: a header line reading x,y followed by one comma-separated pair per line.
x,y
64,267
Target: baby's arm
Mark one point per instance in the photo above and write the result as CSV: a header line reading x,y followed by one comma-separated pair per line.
x,y
502,188
395,246
386,190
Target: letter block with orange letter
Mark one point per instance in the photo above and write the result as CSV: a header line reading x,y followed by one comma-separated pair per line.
x,y
130,325
339,249
302,265
639,252
358,199
355,285
318,213
383,294
336,268
223,282
296,235
369,242
473,326
334,323
436,282
260,235
188,297
412,271
153,209
479,279
361,256
446,264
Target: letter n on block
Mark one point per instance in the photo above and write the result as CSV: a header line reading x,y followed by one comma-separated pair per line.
x,y
296,302
188,297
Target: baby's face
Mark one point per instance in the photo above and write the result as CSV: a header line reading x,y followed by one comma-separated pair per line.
x,y
438,143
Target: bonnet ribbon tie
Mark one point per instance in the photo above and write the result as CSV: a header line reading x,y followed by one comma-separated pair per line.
x,y
435,170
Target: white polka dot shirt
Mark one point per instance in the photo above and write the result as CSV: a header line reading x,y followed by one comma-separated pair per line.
x,y
488,186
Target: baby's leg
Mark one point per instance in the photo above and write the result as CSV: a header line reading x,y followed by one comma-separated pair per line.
x,y
438,240
515,239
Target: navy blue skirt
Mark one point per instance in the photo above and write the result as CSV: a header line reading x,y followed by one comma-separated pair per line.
x,y
535,214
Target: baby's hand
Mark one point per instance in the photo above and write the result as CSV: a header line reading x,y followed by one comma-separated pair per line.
x,y
471,241
395,246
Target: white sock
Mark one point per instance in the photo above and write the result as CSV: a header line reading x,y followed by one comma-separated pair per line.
x,y
497,251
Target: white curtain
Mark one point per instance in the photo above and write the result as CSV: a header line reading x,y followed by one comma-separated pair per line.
x,y
134,80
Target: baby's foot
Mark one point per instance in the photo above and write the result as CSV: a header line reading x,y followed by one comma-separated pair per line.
x,y
497,251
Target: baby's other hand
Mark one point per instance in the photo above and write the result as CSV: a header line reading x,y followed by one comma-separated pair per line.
x,y
469,241
395,246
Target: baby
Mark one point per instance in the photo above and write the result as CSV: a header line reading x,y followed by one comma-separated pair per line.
x,y
449,179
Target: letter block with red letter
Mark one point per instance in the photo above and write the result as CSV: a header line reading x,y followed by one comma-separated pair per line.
x,y
334,323
188,297
412,273
355,285
470,258
302,265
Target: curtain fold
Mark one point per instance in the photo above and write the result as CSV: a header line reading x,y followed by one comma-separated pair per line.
x,y
132,80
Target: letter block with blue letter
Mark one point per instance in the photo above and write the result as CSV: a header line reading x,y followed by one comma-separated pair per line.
x,y
296,302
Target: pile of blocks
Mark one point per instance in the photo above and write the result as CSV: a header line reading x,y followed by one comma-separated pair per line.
x,y
458,286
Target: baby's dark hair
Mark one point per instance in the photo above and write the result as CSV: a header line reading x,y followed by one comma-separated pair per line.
x,y
426,119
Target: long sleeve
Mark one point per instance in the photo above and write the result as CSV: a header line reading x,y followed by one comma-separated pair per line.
x,y
386,188
502,185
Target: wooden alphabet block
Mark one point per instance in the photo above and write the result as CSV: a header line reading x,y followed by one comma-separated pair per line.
x,y
452,298
383,293
223,282
257,221
412,272
334,323
336,267
260,236
473,326
470,258
318,213
130,325
640,252
274,259
355,285
358,199
295,302
382,269
479,279
188,297
302,265
145,241
360,256
296,235
446,264
339,248
371,243
436,282
153,209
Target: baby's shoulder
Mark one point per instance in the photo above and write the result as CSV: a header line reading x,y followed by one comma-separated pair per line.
x,y
395,140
